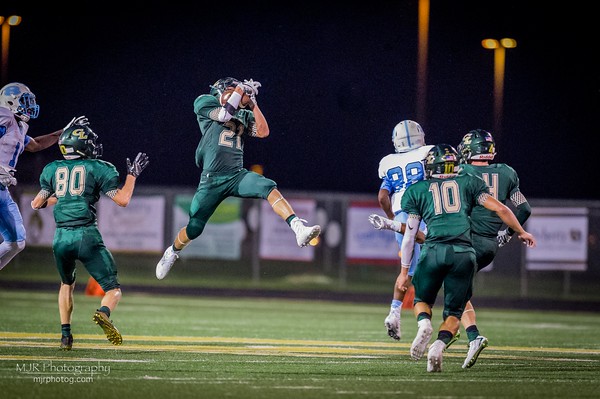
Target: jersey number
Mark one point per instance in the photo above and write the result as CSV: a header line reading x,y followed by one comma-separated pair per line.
x,y
491,183
446,198
229,138
73,183
414,173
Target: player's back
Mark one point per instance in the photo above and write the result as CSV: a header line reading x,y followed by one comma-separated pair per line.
x,y
78,184
502,181
445,205
400,170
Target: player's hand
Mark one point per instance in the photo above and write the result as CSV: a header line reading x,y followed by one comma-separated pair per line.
x,y
254,85
77,121
376,221
503,238
250,87
6,177
136,167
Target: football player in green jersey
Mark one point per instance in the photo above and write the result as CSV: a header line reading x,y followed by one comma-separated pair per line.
x,y
445,201
476,149
74,186
227,116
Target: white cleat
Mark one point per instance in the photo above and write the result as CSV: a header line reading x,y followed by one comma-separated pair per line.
x,y
392,324
166,263
304,234
434,356
475,348
417,349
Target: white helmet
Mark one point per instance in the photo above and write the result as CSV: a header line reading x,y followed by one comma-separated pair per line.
x,y
408,135
20,100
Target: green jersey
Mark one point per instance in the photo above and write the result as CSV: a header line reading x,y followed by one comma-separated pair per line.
x,y
445,205
503,182
78,184
221,148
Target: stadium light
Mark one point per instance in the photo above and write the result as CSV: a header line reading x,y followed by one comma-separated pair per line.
x,y
6,23
499,47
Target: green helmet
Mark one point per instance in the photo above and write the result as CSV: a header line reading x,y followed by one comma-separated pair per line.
x,y
477,145
441,161
79,142
217,88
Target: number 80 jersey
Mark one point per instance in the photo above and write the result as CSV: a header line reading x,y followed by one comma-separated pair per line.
x,y
78,184
399,171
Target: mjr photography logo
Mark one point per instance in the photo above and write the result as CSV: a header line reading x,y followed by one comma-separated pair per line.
x,y
63,373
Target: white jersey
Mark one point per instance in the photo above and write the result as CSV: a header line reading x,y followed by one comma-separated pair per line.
x,y
13,138
399,170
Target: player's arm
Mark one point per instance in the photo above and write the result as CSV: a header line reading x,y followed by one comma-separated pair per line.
x,y
507,216
122,196
522,208
407,249
259,128
42,142
43,199
385,202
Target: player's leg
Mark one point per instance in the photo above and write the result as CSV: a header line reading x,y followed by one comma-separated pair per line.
x,y
485,251
209,194
63,248
11,229
392,322
65,309
253,185
100,264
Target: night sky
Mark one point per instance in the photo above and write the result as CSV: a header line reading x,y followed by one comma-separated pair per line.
x,y
336,80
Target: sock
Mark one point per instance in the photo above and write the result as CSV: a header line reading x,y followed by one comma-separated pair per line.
x,y
396,304
423,316
175,249
472,332
445,336
66,329
104,309
290,218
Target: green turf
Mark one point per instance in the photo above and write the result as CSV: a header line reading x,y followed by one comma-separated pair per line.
x,y
184,347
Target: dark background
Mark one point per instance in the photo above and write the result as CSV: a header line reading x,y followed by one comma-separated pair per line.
x,y
336,79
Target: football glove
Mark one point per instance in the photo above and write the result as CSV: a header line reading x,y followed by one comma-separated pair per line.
x,y
7,178
250,87
503,238
254,85
77,121
136,167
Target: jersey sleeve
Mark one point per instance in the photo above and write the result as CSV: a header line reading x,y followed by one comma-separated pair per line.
x,y
409,203
108,178
46,178
205,104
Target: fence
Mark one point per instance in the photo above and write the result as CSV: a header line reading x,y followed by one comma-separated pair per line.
x,y
247,233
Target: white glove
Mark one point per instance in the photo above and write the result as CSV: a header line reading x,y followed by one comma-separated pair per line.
x,y
254,85
503,238
77,121
382,223
6,177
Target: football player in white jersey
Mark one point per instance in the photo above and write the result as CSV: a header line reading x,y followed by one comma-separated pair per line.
x,y
398,171
17,106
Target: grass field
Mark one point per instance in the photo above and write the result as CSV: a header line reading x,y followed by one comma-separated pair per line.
x,y
190,347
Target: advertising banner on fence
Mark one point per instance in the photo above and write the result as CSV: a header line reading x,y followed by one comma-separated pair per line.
x,y
138,227
363,242
39,225
222,237
277,240
562,239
